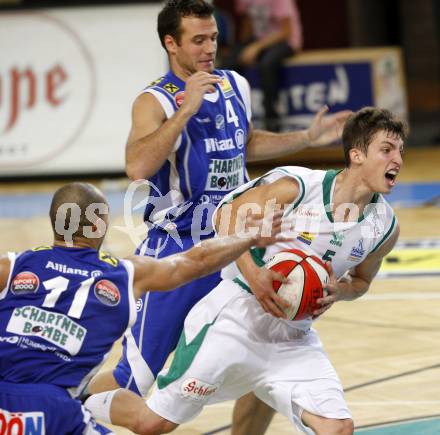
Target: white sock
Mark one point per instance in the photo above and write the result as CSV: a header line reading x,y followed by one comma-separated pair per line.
x,y
99,405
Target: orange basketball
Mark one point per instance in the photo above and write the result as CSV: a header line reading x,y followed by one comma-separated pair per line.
x,y
307,277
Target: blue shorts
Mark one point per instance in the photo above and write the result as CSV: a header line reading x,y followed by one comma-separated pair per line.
x,y
159,322
40,409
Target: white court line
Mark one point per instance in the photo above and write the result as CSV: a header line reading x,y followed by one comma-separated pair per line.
x,y
400,296
395,402
230,403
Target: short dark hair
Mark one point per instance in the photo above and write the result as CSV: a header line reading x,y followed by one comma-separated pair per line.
x,y
169,18
81,194
361,126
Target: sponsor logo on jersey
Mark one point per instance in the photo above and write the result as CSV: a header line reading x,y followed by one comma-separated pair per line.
x,y
156,82
179,98
107,293
22,423
171,88
226,88
24,283
139,304
63,268
196,389
26,343
204,199
106,258
307,212
96,273
305,237
212,144
239,138
11,340
42,248
220,122
337,239
225,174
205,120
55,328
357,252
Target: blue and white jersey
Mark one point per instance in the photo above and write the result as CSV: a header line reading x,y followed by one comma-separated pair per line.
x,y
61,312
208,159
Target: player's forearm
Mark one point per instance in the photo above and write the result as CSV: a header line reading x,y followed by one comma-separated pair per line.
x,y
214,254
145,156
352,287
266,145
247,266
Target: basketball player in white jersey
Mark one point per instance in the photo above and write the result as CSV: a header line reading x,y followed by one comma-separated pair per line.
x,y
231,345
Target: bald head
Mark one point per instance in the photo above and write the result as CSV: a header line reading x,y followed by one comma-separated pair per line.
x,y
79,210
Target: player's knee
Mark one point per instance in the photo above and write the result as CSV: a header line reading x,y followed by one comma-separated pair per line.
x,y
152,426
343,427
330,426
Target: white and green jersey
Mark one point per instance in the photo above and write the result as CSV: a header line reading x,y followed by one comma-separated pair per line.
x,y
309,220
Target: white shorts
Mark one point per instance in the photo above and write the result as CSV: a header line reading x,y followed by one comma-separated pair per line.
x,y
230,347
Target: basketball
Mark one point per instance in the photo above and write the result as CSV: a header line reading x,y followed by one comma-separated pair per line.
x,y
307,274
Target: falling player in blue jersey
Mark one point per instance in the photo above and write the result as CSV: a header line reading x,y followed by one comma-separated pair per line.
x,y
63,306
191,136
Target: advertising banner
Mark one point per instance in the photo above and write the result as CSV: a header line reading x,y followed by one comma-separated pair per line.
x,y
342,79
68,78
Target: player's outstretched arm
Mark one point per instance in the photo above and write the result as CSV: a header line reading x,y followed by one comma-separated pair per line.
x,y
357,281
203,259
324,130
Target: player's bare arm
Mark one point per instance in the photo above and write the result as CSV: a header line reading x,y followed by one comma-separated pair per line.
x,y
323,130
357,281
282,191
152,136
5,265
203,259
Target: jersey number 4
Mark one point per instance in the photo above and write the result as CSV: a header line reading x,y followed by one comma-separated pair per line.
x,y
231,116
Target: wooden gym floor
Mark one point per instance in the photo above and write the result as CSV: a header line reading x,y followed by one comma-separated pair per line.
x,y
384,346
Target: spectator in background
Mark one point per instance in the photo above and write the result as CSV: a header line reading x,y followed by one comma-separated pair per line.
x,y
268,32
226,19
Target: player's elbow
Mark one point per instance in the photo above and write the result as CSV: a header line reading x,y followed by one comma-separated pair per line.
x,y
135,171
132,174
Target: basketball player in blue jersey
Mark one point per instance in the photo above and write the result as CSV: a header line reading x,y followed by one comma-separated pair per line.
x,y
232,346
191,136
63,306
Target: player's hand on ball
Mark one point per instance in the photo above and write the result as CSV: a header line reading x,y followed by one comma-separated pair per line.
x,y
261,286
332,293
